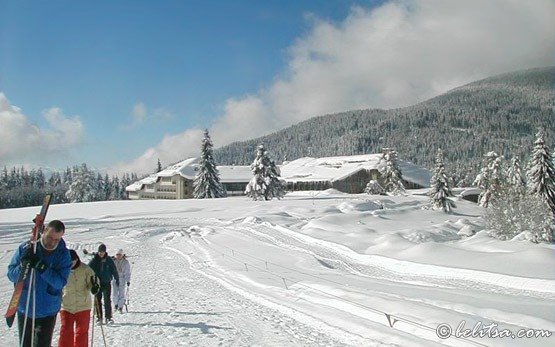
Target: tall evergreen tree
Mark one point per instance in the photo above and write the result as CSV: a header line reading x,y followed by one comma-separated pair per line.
x,y
484,180
391,173
4,179
83,185
439,186
514,175
541,172
207,180
265,183
158,166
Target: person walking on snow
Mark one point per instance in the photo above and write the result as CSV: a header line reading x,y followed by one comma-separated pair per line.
x,y
52,264
76,304
105,269
124,273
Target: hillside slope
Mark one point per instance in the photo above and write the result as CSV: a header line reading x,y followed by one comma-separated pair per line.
x,y
500,113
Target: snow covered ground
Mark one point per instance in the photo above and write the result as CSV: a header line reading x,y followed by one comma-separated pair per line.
x,y
312,269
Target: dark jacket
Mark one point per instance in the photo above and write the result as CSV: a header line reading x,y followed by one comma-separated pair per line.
x,y
105,269
49,284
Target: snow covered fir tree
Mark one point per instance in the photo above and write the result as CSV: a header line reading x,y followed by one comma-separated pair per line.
x,y
489,178
265,183
519,212
515,177
207,180
391,173
541,172
158,166
373,187
439,186
20,187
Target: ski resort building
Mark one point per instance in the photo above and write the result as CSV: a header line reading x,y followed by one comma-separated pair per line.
x,y
348,174
176,181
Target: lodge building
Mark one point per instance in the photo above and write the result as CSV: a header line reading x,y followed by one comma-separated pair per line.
x,y
348,174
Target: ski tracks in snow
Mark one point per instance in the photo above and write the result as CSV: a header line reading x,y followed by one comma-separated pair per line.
x,y
182,306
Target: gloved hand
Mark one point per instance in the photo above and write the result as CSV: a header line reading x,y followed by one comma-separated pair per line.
x,y
33,260
128,283
95,286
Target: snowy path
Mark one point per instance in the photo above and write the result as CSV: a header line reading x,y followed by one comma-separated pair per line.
x,y
186,308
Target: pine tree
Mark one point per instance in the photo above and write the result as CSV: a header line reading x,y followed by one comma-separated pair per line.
x,y
106,187
374,188
485,179
541,172
439,186
83,187
158,166
125,181
207,180
391,173
276,188
4,179
516,214
514,175
39,181
265,182
115,193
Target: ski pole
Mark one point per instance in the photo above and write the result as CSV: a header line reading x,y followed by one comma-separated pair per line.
x,y
28,301
92,330
126,299
97,304
34,289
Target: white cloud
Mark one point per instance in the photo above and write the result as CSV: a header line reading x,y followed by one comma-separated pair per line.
x,y
172,149
141,114
395,55
21,141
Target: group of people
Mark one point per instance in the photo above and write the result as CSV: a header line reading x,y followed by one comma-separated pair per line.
x,y
64,284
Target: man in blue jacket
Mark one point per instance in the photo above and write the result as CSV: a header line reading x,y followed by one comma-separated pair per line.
x,y
105,269
52,265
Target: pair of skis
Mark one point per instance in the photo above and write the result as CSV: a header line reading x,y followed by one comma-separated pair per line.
x,y
26,270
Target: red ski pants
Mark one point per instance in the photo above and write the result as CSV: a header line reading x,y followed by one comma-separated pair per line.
x,y
74,331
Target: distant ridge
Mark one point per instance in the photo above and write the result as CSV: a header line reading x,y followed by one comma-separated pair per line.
x,y
500,113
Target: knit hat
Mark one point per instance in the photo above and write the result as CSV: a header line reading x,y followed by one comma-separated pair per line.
x,y
120,251
102,248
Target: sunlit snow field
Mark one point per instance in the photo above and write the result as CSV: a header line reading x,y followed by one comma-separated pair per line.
x,y
315,268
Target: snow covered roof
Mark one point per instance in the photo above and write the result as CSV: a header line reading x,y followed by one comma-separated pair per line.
x,y
414,173
336,168
303,169
187,168
326,169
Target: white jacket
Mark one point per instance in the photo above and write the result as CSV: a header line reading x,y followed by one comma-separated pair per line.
x,y
124,269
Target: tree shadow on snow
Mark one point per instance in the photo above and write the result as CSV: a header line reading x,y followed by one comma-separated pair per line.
x,y
178,312
203,327
463,214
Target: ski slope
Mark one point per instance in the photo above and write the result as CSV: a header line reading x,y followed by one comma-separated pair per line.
x,y
312,269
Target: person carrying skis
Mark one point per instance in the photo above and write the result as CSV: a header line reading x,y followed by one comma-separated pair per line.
x,y
124,274
76,304
105,269
52,265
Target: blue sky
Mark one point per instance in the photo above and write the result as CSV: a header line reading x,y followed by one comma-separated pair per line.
x,y
139,79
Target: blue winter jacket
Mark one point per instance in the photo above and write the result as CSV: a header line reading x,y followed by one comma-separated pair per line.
x,y
49,284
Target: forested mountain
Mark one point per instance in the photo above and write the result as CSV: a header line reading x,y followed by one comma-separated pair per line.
x,y
500,114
